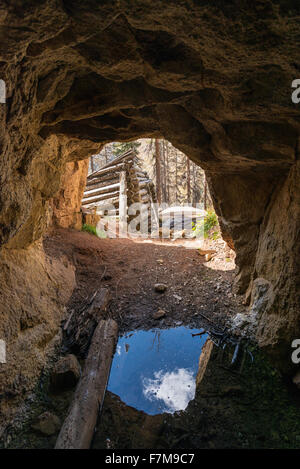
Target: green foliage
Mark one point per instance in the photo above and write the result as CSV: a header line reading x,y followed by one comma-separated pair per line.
x,y
215,235
210,221
206,225
121,147
89,229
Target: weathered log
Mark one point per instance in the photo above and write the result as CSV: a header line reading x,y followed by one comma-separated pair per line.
x,y
111,169
78,428
120,159
141,174
104,206
144,182
143,192
101,190
123,206
92,200
102,181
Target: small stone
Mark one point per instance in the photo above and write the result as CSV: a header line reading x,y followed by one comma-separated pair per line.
x,y
160,287
159,314
177,297
47,424
208,257
65,373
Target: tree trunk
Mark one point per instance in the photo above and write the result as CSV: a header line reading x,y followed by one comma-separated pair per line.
x,y
205,193
176,174
188,179
167,170
194,184
158,173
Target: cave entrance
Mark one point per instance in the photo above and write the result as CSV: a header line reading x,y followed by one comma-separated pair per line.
x,y
147,189
171,246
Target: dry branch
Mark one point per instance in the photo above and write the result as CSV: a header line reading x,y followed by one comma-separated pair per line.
x,y
80,327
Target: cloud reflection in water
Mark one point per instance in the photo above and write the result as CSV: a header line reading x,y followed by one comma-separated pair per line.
x,y
176,388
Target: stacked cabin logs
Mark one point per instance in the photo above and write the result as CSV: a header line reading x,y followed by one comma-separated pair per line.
x,y
103,186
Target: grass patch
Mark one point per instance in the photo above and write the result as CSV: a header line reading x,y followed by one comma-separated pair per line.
x,y
89,229
209,226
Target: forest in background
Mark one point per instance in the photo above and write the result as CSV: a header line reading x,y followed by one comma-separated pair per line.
x,y
176,178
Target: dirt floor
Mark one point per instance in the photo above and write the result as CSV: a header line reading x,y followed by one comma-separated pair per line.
x,y
196,290
248,407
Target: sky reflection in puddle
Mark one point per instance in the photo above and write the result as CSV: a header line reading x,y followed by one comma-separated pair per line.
x,y
155,370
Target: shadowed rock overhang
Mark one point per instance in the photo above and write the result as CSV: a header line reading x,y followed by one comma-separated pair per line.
x,y
214,78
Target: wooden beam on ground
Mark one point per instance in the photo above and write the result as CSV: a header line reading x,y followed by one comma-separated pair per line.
x,y
78,428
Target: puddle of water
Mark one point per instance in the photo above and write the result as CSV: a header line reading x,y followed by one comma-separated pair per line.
x,y
155,371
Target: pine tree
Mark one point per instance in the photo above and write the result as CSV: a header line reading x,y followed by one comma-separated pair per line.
x,y
158,168
122,147
188,179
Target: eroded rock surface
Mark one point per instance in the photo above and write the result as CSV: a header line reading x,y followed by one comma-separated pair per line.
x,y
66,205
212,78
34,291
47,424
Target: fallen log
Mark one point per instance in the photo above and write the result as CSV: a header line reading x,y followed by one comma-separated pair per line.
x,y
78,428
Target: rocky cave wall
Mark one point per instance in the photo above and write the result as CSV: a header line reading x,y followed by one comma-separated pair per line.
x,y
66,204
214,78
